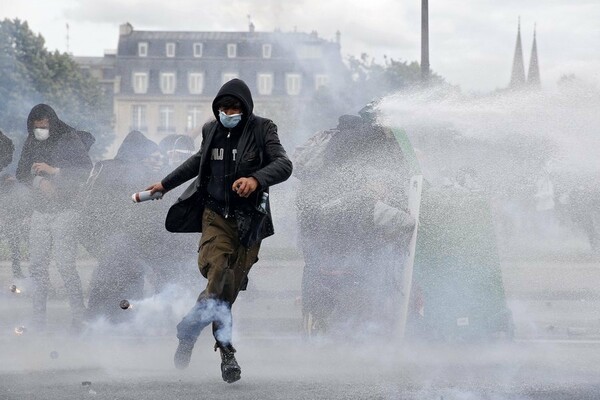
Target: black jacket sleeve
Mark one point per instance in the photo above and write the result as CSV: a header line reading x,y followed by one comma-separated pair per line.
x,y
277,166
186,171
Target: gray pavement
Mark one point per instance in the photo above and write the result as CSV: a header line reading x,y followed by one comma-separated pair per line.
x,y
556,354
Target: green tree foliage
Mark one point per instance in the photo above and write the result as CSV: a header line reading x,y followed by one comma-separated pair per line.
x,y
30,74
369,81
373,81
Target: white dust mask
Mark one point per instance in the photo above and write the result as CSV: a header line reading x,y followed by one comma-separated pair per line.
x,y
41,133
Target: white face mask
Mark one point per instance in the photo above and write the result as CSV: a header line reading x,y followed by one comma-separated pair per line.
x,y
41,133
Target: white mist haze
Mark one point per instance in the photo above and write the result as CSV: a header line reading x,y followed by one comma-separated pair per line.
x,y
472,42
567,120
547,268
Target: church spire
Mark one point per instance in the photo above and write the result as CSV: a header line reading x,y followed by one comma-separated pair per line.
x,y
517,79
533,75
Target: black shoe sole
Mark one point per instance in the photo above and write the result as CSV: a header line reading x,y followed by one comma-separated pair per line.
x,y
232,375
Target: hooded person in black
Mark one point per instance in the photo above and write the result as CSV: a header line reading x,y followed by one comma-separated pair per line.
x,y
351,206
54,162
54,159
115,233
239,159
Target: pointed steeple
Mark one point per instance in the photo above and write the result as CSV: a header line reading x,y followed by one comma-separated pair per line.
x,y
533,75
517,78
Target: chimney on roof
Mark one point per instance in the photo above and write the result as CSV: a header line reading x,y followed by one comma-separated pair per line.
x,y
125,29
251,26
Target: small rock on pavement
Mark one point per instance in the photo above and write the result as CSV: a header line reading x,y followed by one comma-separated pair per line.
x,y
571,331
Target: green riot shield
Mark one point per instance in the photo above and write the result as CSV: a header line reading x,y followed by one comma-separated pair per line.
x,y
457,269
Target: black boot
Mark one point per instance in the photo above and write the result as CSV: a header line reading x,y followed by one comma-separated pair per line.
x,y
183,354
230,369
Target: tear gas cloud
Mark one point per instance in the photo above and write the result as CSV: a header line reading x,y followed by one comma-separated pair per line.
x,y
558,130
564,119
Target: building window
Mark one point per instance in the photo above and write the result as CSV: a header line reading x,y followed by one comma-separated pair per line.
x,y
310,51
166,118
265,84
267,48
232,50
142,49
138,117
196,82
140,82
167,82
170,49
321,80
293,84
193,117
227,76
198,49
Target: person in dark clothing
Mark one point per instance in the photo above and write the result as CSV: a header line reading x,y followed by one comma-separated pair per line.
x,y
353,218
239,159
54,162
114,232
6,155
15,208
6,151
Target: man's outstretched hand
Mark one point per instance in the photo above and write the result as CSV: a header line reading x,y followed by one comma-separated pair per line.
x,y
156,187
244,187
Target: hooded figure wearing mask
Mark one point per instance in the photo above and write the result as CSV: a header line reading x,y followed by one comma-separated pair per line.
x,y
54,162
114,231
239,159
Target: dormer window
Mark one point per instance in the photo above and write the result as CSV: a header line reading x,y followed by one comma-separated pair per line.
x,y
232,50
142,49
197,49
266,50
170,49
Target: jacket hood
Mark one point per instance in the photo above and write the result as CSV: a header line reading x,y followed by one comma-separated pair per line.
x,y
238,89
136,147
44,111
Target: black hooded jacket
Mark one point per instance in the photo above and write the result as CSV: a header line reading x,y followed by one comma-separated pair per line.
x,y
107,206
136,147
64,149
259,154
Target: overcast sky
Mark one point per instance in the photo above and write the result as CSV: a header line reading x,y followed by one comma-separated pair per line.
x,y
472,41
